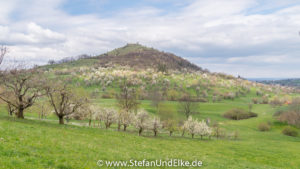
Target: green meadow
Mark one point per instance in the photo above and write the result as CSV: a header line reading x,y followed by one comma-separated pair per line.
x,y
33,143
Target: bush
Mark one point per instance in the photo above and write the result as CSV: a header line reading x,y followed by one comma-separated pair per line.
x,y
203,100
239,114
265,100
229,96
276,102
289,131
290,117
264,127
234,135
255,101
106,96
278,113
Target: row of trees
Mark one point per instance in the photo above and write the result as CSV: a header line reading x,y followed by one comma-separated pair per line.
x,y
142,121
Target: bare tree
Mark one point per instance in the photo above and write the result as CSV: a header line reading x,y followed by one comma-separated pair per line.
x,y
127,103
90,113
127,98
188,106
51,62
11,110
64,101
3,52
156,98
22,88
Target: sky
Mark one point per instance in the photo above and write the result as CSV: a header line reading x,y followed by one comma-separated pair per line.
x,y
251,38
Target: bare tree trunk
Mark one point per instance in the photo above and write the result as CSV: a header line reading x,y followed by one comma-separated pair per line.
x,y
10,110
125,127
171,132
140,131
90,123
155,133
119,126
20,114
61,120
192,135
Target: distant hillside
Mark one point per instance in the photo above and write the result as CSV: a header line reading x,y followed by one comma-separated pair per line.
x,y
285,82
141,57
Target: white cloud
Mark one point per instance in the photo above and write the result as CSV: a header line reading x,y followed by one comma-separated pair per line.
x,y
219,31
30,33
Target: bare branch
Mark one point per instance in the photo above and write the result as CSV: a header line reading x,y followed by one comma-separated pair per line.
x,y
21,88
3,52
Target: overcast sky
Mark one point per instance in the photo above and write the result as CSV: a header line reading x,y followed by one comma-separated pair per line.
x,y
252,38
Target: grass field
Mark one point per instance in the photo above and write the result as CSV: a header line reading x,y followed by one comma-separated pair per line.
x,y
45,144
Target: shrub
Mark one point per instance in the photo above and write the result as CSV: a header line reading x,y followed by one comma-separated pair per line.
x,y
255,101
292,114
106,96
290,117
219,132
289,131
229,96
264,127
234,135
276,102
259,93
265,100
214,99
278,113
204,94
203,100
239,114
172,95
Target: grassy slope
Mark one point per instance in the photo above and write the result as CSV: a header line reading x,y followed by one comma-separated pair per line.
x,y
35,144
